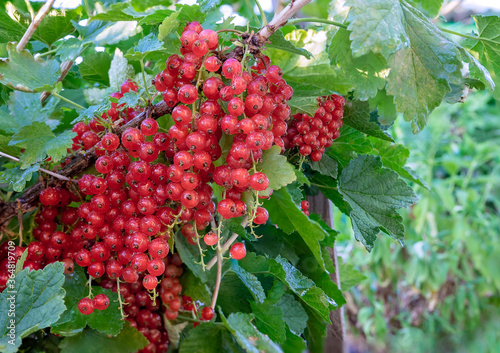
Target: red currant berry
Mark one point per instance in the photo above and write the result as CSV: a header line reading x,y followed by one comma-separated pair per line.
x,y
238,251
86,306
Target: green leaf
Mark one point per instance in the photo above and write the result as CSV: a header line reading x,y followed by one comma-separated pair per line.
x,y
39,141
349,276
288,217
118,12
55,25
301,178
71,322
316,332
169,25
192,287
487,47
431,6
376,26
269,320
101,33
374,193
250,281
190,13
276,167
70,49
349,143
95,67
234,225
252,340
278,41
366,72
208,5
119,70
156,17
328,187
385,107
209,338
89,341
302,286
234,296
394,156
293,343
308,104
357,115
147,45
25,108
293,314
421,75
10,30
17,178
23,73
190,257
131,99
326,166
38,299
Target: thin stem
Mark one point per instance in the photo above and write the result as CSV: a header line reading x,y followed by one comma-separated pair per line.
x,y
144,80
47,53
55,175
90,286
281,19
202,254
468,36
324,186
217,280
316,20
190,319
34,24
262,14
120,298
229,30
224,248
65,67
67,100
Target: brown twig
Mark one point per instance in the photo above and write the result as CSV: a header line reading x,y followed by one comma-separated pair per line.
x,y
217,280
65,67
34,25
226,246
282,18
78,164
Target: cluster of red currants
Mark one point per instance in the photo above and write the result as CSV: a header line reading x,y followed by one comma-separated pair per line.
x,y
313,134
214,100
87,135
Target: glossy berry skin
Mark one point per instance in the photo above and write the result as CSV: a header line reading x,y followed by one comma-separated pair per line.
x,y
261,216
150,282
238,251
207,313
86,306
101,301
212,64
210,238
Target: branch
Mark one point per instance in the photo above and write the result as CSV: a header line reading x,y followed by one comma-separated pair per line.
x,y
282,18
77,165
55,175
65,67
224,248
217,280
34,25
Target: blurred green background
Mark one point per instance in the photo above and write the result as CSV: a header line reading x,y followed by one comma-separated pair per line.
x,y
441,291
